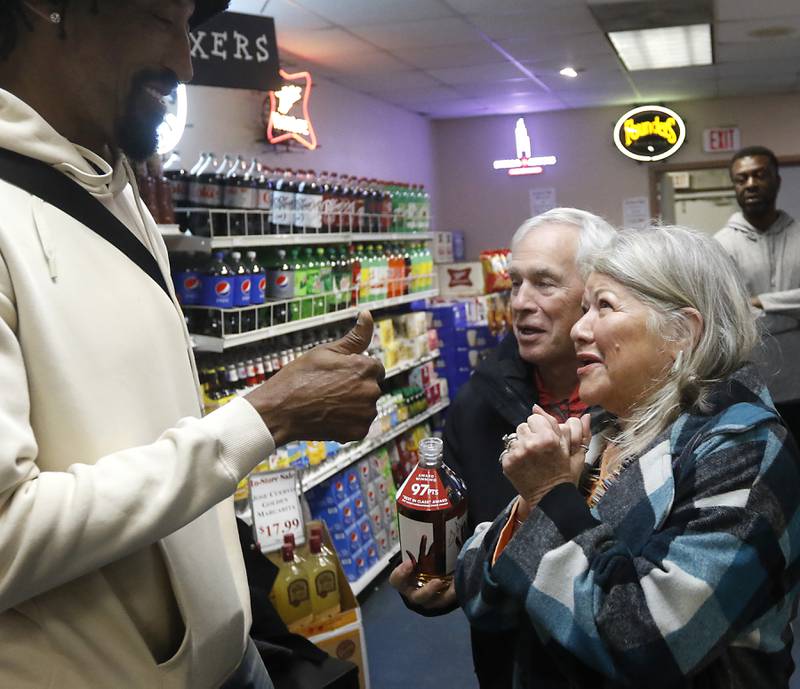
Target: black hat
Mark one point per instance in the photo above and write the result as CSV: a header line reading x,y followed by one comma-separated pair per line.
x,y
205,9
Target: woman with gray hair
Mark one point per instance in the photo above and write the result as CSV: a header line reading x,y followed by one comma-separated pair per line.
x,y
661,551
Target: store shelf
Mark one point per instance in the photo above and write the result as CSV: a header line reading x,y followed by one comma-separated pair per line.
x,y
353,453
395,370
205,343
193,244
408,365
369,576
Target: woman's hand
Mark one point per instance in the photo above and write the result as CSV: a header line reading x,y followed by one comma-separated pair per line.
x,y
545,454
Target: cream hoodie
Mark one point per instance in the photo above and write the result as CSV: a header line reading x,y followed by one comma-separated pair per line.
x,y
119,560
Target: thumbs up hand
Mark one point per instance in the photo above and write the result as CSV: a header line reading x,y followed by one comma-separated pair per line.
x,y
328,393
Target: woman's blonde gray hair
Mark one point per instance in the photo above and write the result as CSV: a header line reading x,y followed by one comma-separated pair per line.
x,y
594,232
670,269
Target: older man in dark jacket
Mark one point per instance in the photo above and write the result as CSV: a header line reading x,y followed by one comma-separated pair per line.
x,y
535,365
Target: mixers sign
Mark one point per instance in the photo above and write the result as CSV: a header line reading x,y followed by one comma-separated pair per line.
x,y
236,51
649,133
289,118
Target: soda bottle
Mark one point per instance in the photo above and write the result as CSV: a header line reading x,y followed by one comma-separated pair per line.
x,y
347,206
385,207
300,273
365,278
178,180
360,196
432,514
265,185
381,273
323,302
373,206
312,284
239,194
355,268
280,278
188,282
308,204
283,203
323,580
243,281
290,593
205,191
330,201
259,277
218,288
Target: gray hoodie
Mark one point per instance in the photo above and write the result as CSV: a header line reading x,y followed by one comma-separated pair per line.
x,y
769,261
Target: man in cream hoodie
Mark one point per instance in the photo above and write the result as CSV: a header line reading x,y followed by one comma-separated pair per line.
x,y
764,242
119,559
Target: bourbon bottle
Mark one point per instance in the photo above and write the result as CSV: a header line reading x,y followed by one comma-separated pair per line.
x,y
432,513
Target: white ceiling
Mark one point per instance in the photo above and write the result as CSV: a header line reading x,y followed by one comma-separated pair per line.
x,y
461,58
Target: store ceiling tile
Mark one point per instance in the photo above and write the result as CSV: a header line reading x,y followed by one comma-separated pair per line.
x,y
575,47
767,50
383,82
498,89
361,12
508,6
585,81
477,73
727,10
773,29
756,68
322,43
286,14
461,55
556,21
358,65
424,34
415,97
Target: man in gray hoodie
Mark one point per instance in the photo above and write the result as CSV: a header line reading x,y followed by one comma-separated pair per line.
x,y
764,242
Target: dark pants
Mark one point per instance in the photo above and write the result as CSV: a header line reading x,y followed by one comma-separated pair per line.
x,y
251,673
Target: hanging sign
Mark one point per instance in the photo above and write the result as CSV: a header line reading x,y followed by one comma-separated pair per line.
x,y
525,163
649,133
289,119
721,140
275,506
236,51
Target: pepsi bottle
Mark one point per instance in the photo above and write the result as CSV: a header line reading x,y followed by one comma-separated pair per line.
x,y
259,278
218,287
188,283
242,282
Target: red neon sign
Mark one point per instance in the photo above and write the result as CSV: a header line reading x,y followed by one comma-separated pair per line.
x,y
288,112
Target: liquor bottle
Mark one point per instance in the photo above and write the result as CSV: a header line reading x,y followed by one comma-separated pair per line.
x,y
290,593
432,513
324,582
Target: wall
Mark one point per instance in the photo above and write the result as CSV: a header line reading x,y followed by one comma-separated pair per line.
x,y
357,134
591,173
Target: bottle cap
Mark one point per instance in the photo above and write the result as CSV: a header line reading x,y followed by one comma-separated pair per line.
x,y
430,449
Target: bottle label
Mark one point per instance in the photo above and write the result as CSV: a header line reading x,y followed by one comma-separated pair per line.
x,y
419,548
264,199
242,292
423,490
258,291
188,285
280,284
218,291
308,211
240,197
205,194
325,583
298,592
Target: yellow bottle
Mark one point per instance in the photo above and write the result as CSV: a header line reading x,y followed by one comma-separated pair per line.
x,y
290,593
325,598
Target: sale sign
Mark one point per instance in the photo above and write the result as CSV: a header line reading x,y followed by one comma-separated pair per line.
x,y
275,506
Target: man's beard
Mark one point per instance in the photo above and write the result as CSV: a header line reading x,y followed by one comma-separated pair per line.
x,y
137,129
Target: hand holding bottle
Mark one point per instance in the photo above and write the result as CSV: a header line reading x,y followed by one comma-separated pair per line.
x,y
436,594
327,394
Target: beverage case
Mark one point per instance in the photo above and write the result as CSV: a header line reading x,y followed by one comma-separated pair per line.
x,y
432,512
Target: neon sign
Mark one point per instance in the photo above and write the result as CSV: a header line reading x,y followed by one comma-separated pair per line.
x,y
649,133
525,163
288,112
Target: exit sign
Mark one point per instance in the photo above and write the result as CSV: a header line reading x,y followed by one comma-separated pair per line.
x,y
721,140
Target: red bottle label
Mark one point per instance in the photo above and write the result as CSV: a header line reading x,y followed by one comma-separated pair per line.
x,y
423,490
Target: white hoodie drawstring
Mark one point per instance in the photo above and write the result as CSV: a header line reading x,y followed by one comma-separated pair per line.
x,y
41,233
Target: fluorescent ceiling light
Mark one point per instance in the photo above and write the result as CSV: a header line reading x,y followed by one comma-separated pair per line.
x,y
670,46
568,72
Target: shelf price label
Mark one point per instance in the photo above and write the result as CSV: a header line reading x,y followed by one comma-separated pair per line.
x,y
275,506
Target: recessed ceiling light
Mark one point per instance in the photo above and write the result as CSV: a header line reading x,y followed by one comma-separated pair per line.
x,y
569,72
670,46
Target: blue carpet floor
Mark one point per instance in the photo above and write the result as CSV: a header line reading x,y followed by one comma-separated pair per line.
x,y
408,651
